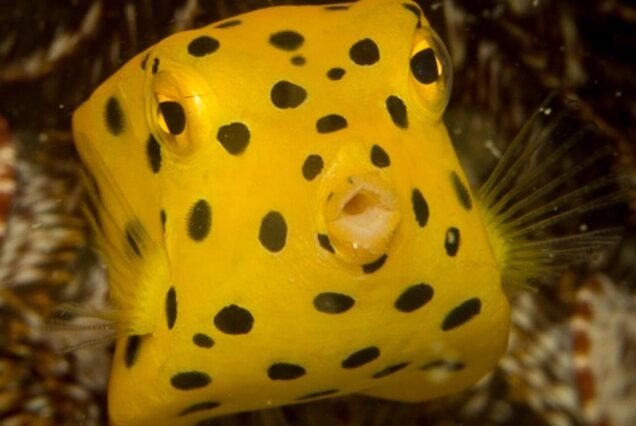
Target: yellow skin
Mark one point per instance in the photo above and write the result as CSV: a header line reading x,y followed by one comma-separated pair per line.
x,y
220,310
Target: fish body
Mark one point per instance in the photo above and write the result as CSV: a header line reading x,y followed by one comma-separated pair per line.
x,y
283,217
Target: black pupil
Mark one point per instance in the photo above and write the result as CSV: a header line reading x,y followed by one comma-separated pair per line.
x,y
424,66
174,116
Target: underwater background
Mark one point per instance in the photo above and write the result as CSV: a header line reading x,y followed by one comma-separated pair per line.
x,y
572,354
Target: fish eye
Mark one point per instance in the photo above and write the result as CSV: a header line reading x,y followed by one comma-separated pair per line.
x,y
171,117
430,70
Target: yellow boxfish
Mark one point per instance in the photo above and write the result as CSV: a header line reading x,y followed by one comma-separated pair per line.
x,y
283,218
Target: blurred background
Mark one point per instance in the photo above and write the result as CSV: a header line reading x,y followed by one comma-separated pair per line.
x,y
572,355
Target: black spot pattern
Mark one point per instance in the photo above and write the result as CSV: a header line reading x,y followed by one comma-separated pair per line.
x,y
199,406
286,40
153,151
298,60
461,192
312,167
199,220
461,314
390,370
333,303
424,66
414,297
202,340
273,232
230,23
144,61
114,116
413,9
447,365
171,307
174,116
365,52
336,7
131,350
335,73
397,111
323,240
285,94
318,394
133,238
451,243
379,157
234,320
234,137
420,208
190,380
370,268
361,357
203,45
331,123
285,371
155,65
163,217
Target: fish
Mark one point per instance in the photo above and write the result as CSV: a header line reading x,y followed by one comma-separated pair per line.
x,y
283,217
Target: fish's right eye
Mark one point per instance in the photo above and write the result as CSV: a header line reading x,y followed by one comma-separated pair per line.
x,y
171,117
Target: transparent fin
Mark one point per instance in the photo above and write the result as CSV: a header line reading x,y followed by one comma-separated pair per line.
x,y
554,198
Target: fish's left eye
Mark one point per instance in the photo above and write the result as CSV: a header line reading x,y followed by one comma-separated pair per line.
x,y
171,117
430,69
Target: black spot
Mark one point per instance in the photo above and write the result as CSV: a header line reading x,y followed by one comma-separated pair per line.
x,y
144,61
200,406
461,192
202,46
163,218
420,208
174,116
331,123
153,151
424,66
190,380
451,243
312,167
370,268
333,303
273,231
298,60
286,40
390,370
131,350
413,9
461,314
361,357
335,73
336,7
155,65
287,95
114,116
199,220
365,52
202,340
171,307
318,394
234,137
324,242
414,297
234,320
285,371
230,23
447,365
379,157
397,111
133,237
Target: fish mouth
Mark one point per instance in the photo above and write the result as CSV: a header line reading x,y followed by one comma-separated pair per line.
x,y
361,216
